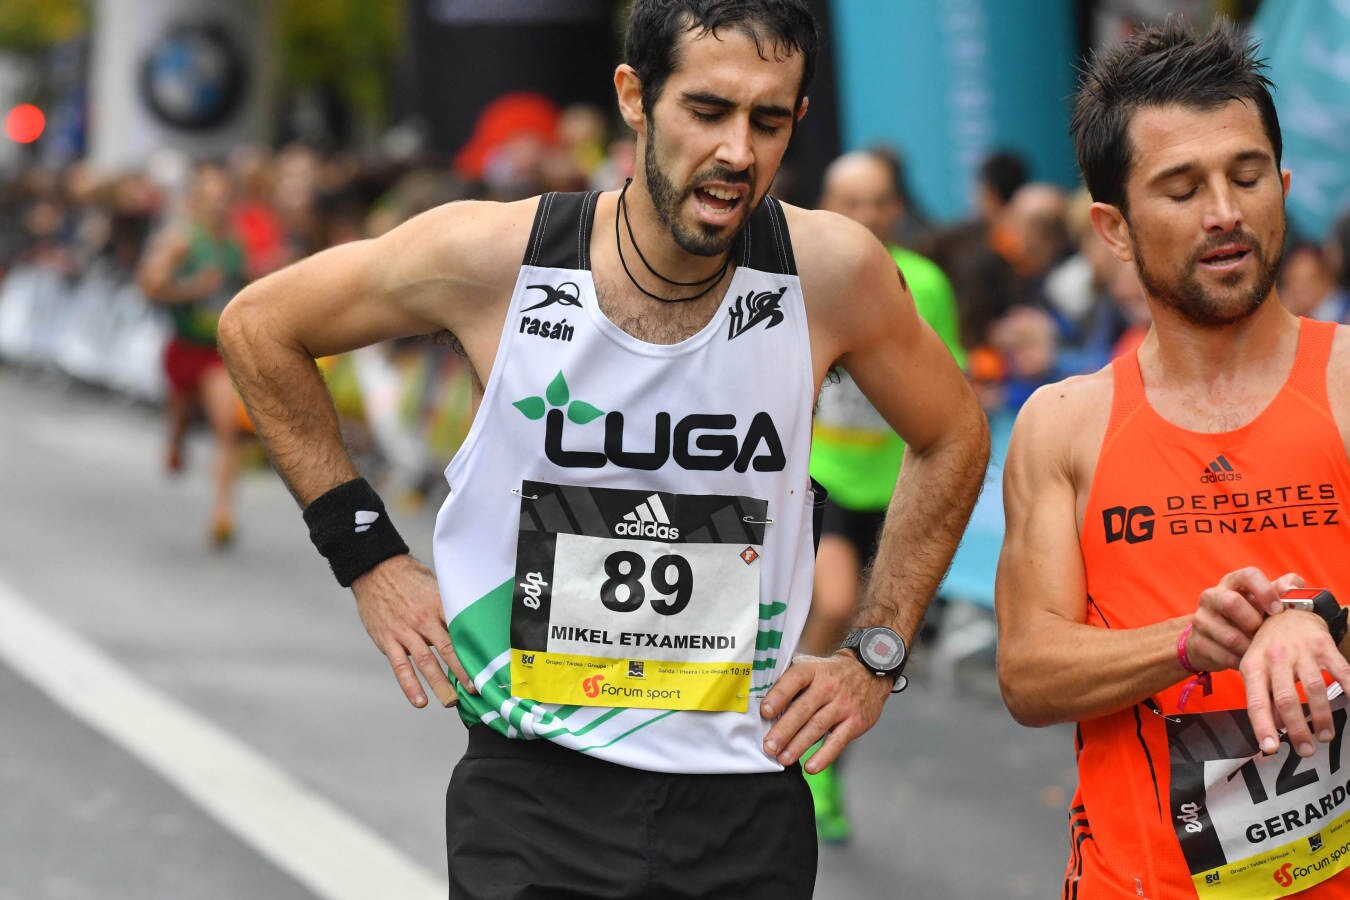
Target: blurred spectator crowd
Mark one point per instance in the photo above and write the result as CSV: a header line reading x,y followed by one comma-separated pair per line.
x,y
72,241
1039,295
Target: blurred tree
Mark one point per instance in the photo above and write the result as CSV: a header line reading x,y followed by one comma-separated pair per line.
x,y
31,26
347,46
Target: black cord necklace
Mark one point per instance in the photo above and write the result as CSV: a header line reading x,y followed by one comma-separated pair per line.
x,y
712,280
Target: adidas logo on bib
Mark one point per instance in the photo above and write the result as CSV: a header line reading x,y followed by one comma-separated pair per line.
x,y
648,520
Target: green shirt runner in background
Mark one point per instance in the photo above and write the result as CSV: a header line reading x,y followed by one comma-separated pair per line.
x,y
195,322
854,453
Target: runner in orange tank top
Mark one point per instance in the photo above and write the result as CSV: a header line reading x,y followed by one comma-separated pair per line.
x,y
1158,509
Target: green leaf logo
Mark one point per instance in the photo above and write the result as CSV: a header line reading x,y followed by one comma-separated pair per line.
x,y
532,407
558,396
581,412
557,391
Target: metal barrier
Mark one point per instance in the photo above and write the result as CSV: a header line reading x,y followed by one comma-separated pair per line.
x,y
97,329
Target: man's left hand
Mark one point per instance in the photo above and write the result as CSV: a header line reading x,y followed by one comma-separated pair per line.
x,y
1292,646
832,697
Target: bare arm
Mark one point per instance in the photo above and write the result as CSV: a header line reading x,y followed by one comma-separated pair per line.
x,y
419,278
1053,667
270,335
947,448
869,324
429,274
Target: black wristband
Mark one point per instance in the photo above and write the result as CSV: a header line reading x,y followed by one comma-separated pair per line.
x,y
350,527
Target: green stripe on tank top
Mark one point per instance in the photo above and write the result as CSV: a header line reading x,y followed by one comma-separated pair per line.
x,y
638,727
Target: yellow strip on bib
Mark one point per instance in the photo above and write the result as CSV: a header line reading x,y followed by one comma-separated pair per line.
x,y
647,684
1289,869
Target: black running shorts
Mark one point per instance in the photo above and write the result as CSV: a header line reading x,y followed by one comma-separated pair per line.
x,y
530,819
861,528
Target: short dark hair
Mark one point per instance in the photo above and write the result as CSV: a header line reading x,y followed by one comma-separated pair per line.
x,y
1003,172
655,26
1161,66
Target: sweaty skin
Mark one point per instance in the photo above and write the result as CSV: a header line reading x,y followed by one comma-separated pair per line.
x,y
722,121
1199,178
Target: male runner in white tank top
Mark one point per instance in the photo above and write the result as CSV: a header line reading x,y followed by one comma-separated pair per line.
x,y
685,326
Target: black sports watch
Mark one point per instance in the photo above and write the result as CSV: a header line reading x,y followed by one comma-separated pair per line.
x,y
1321,602
882,651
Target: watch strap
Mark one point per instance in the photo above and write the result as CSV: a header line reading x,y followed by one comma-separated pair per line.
x,y
1333,613
1336,616
853,642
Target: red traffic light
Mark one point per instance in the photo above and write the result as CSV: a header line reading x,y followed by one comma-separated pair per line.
x,y
24,123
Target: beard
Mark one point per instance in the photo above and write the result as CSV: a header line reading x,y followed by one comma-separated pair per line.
x,y
1182,292
702,239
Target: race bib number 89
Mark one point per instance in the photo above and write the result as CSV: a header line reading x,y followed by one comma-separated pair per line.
x,y
630,598
1252,825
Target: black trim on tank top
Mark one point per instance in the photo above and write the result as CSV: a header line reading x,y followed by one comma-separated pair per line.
x,y
560,237
765,244
1148,757
1080,830
1101,615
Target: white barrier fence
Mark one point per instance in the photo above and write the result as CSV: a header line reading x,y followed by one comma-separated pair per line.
x,y
97,328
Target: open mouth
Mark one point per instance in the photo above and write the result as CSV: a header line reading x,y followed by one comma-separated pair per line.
x,y
718,200
1226,256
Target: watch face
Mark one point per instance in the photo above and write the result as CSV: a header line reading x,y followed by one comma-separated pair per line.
x,y
882,649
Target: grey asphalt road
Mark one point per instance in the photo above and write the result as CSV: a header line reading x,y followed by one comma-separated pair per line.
x,y
951,799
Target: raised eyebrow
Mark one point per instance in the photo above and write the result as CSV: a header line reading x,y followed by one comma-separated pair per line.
x,y
704,99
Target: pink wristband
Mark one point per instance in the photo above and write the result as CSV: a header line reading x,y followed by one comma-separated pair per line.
x,y
1201,680
1182,656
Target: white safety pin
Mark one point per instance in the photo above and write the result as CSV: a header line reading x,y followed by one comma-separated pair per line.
x,y
1161,714
519,493
751,520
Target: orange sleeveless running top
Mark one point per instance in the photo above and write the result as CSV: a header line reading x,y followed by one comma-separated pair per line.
x,y
1175,804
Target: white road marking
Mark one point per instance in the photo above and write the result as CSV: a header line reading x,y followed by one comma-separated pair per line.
x,y
304,834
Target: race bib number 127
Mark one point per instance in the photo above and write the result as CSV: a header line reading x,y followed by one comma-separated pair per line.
x,y
1252,825
630,598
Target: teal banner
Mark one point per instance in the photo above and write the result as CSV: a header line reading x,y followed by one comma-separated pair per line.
x,y
1307,44
946,82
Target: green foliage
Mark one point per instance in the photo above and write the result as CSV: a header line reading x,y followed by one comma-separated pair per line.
x,y
31,26
350,45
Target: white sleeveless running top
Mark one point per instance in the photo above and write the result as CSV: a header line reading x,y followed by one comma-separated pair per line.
x,y
626,555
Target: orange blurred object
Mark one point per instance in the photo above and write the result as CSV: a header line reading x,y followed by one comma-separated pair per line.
x,y
25,123
507,117
985,364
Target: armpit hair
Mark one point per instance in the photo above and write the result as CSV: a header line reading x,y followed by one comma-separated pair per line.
x,y
447,338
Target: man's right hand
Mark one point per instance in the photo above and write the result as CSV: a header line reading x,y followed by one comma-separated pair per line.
x,y
1229,615
400,605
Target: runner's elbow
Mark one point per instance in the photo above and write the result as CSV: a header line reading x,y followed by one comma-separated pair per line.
x,y
240,325
1020,694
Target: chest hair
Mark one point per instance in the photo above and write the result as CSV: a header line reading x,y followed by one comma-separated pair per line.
x,y
653,321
